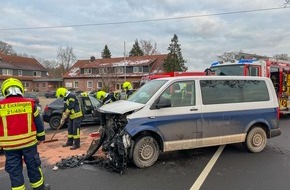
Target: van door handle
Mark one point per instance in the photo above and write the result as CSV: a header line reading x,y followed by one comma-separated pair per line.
x,y
152,117
193,109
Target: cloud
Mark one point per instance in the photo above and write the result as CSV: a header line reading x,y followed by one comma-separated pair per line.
x,y
202,37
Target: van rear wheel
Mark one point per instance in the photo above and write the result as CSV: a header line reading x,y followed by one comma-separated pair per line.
x,y
145,152
256,140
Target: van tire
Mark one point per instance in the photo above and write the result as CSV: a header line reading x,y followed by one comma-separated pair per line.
x,y
256,140
145,152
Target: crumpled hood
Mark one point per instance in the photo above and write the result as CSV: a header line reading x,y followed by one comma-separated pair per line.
x,y
121,107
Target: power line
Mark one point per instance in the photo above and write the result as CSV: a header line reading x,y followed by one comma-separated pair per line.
x,y
148,20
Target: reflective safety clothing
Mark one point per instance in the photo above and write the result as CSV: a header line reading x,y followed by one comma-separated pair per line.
x,y
17,127
71,105
20,128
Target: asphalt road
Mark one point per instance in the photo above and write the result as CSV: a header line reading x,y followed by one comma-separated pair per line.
x,y
208,168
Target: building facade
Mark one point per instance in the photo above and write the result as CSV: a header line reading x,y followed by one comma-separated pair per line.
x,y
33,75
109,74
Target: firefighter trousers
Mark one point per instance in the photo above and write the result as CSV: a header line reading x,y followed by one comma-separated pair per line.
x,y
14,167
73,130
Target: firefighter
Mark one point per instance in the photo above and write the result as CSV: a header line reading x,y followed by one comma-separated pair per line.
x,y
127,87
73,112
105,98
21,130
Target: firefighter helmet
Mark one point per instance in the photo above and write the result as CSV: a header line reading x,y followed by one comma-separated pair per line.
x,y
61,92
101,95
127,85
12,86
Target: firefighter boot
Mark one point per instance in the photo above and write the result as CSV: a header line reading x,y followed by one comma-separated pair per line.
x,y
69,142
43,187
76,144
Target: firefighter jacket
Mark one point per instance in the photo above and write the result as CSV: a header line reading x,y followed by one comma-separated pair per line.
x,y
71,105
109,99
20,123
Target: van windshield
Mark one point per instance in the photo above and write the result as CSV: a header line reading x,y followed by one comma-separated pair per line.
x,y
232,70
144,94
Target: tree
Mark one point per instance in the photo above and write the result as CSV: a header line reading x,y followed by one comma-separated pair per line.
x,y
282,56
65,57
136,50
6,48
174,60
106,53
148,48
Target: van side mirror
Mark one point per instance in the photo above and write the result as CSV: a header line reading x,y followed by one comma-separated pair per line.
x,y
163,103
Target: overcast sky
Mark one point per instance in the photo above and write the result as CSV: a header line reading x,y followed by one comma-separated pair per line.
x,y
204,28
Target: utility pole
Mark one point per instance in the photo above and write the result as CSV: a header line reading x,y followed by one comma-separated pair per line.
x,y
125,62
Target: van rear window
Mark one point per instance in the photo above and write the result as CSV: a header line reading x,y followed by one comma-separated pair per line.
x,y
233,91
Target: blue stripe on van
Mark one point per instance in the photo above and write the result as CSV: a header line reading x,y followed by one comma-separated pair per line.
x,y
202,125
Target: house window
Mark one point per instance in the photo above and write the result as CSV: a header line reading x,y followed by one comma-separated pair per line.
x,y
137,69
36,73
103,71
8,72
76,84
26,85
89,84
119,70
43,85
100,85
37,85
87,71
19,72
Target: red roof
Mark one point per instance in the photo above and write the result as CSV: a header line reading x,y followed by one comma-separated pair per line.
x,y
154,61
21,63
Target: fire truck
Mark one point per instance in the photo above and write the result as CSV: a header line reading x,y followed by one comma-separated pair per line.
x,y
146,79
277,70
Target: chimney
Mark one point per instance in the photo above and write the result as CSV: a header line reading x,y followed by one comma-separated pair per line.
x,y
93,58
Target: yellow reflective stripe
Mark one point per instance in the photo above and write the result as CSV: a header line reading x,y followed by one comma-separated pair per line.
x,y
15,108
20,141
71,99
76,115
22,146
41,134
70,136
29,122
36,113
16,137
38,183
22,187
77,136
4,121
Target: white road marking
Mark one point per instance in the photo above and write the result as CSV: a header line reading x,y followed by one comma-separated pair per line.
x,y
198,183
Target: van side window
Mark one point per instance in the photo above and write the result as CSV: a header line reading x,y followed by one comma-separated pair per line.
x,y
233,91
181,94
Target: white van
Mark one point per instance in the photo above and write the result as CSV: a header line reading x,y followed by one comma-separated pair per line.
x,y
178,113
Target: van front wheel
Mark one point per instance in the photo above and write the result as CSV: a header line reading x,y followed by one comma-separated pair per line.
x,y
256,140
146,152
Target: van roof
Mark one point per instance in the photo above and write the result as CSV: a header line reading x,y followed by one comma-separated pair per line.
x,y
215,78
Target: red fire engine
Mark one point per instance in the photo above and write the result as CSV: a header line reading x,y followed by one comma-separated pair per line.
x,y
277,70
168,74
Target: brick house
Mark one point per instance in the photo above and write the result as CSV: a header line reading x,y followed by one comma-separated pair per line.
x,y
32,74
110,73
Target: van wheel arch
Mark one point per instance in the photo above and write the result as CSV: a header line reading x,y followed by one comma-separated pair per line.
x,y
256,139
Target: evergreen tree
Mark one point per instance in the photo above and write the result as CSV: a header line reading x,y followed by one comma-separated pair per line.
x,y
174,60
136,50
106,53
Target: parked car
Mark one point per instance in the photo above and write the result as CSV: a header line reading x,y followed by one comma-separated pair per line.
x,y
32,96
50,94
52,112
